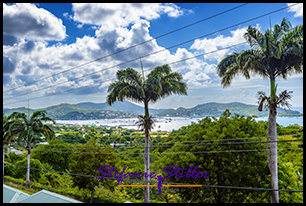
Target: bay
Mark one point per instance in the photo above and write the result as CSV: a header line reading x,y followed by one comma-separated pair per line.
x,y
167,123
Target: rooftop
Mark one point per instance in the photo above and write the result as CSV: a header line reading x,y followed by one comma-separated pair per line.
x,y
12,195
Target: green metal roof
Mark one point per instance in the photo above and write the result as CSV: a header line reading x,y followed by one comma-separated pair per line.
x,y
12,195
45,196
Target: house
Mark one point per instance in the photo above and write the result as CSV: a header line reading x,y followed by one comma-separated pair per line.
x,y
116,144
12,195
11,149
45,143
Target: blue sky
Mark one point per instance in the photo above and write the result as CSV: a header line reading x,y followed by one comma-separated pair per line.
x,y
47,38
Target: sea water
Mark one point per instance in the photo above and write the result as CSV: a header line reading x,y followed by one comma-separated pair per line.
x,y
167,123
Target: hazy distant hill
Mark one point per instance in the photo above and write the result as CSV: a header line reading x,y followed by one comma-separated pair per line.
x,y
216,109
117,106
62,109
88,110
92,110
19,109
91,105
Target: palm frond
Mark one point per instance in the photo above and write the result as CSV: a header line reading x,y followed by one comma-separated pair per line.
x,y
263,100
254,37
225,63
144,123
129,76
229,75
38,114
282,100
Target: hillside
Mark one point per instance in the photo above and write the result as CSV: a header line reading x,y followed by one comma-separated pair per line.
x,y
216,109
90,110
7,111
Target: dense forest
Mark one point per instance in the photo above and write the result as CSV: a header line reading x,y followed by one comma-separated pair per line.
x,y
229,149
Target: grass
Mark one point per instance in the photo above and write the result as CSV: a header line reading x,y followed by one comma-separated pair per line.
x,y
29,191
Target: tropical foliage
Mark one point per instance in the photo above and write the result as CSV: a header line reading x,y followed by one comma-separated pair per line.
x,y
158,84
240,165
87,162
25,128
275,54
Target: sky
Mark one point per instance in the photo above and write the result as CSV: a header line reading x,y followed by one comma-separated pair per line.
x,y
43,40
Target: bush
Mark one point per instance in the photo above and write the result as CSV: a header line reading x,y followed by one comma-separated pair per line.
x,y
9,170
12,157
51,179
34,174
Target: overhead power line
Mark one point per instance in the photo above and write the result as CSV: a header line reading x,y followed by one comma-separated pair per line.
x,y
184,145
144,55
135,45
182,142
168,153
116,78
154,182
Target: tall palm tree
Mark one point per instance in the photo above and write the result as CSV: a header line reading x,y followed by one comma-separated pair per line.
x,y
26,128
7,136
158,84
275,54
4,140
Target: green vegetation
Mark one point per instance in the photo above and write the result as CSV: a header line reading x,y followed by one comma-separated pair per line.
x,y
92,111
216,109
87,162
26,128
274,54
161,82
240,169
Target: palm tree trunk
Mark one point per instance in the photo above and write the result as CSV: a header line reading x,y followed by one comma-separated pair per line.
x,y
272,134
28,165
146,158
3,157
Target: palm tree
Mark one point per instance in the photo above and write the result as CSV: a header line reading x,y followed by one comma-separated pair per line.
x,y
7,136
158,84
26,129
275,54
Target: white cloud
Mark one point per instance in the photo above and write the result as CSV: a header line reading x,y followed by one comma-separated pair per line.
x,y
25,20
30,60
114,15
297,9
221,41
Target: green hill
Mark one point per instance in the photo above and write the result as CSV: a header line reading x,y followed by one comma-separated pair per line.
x,y
89,110
216,109
58,111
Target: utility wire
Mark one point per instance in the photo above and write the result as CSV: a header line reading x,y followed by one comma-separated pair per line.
x,y
161,143
162,153
186,145
213,186
132,46
116,78
147,54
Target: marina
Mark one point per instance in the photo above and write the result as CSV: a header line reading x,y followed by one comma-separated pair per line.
x,y
166,123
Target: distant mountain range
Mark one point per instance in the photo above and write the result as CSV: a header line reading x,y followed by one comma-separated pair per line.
x,y
90,110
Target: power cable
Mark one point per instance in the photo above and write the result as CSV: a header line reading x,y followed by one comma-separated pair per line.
x,y
206,140
213,186
186,145
148,54
131,46
167,153
116,78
